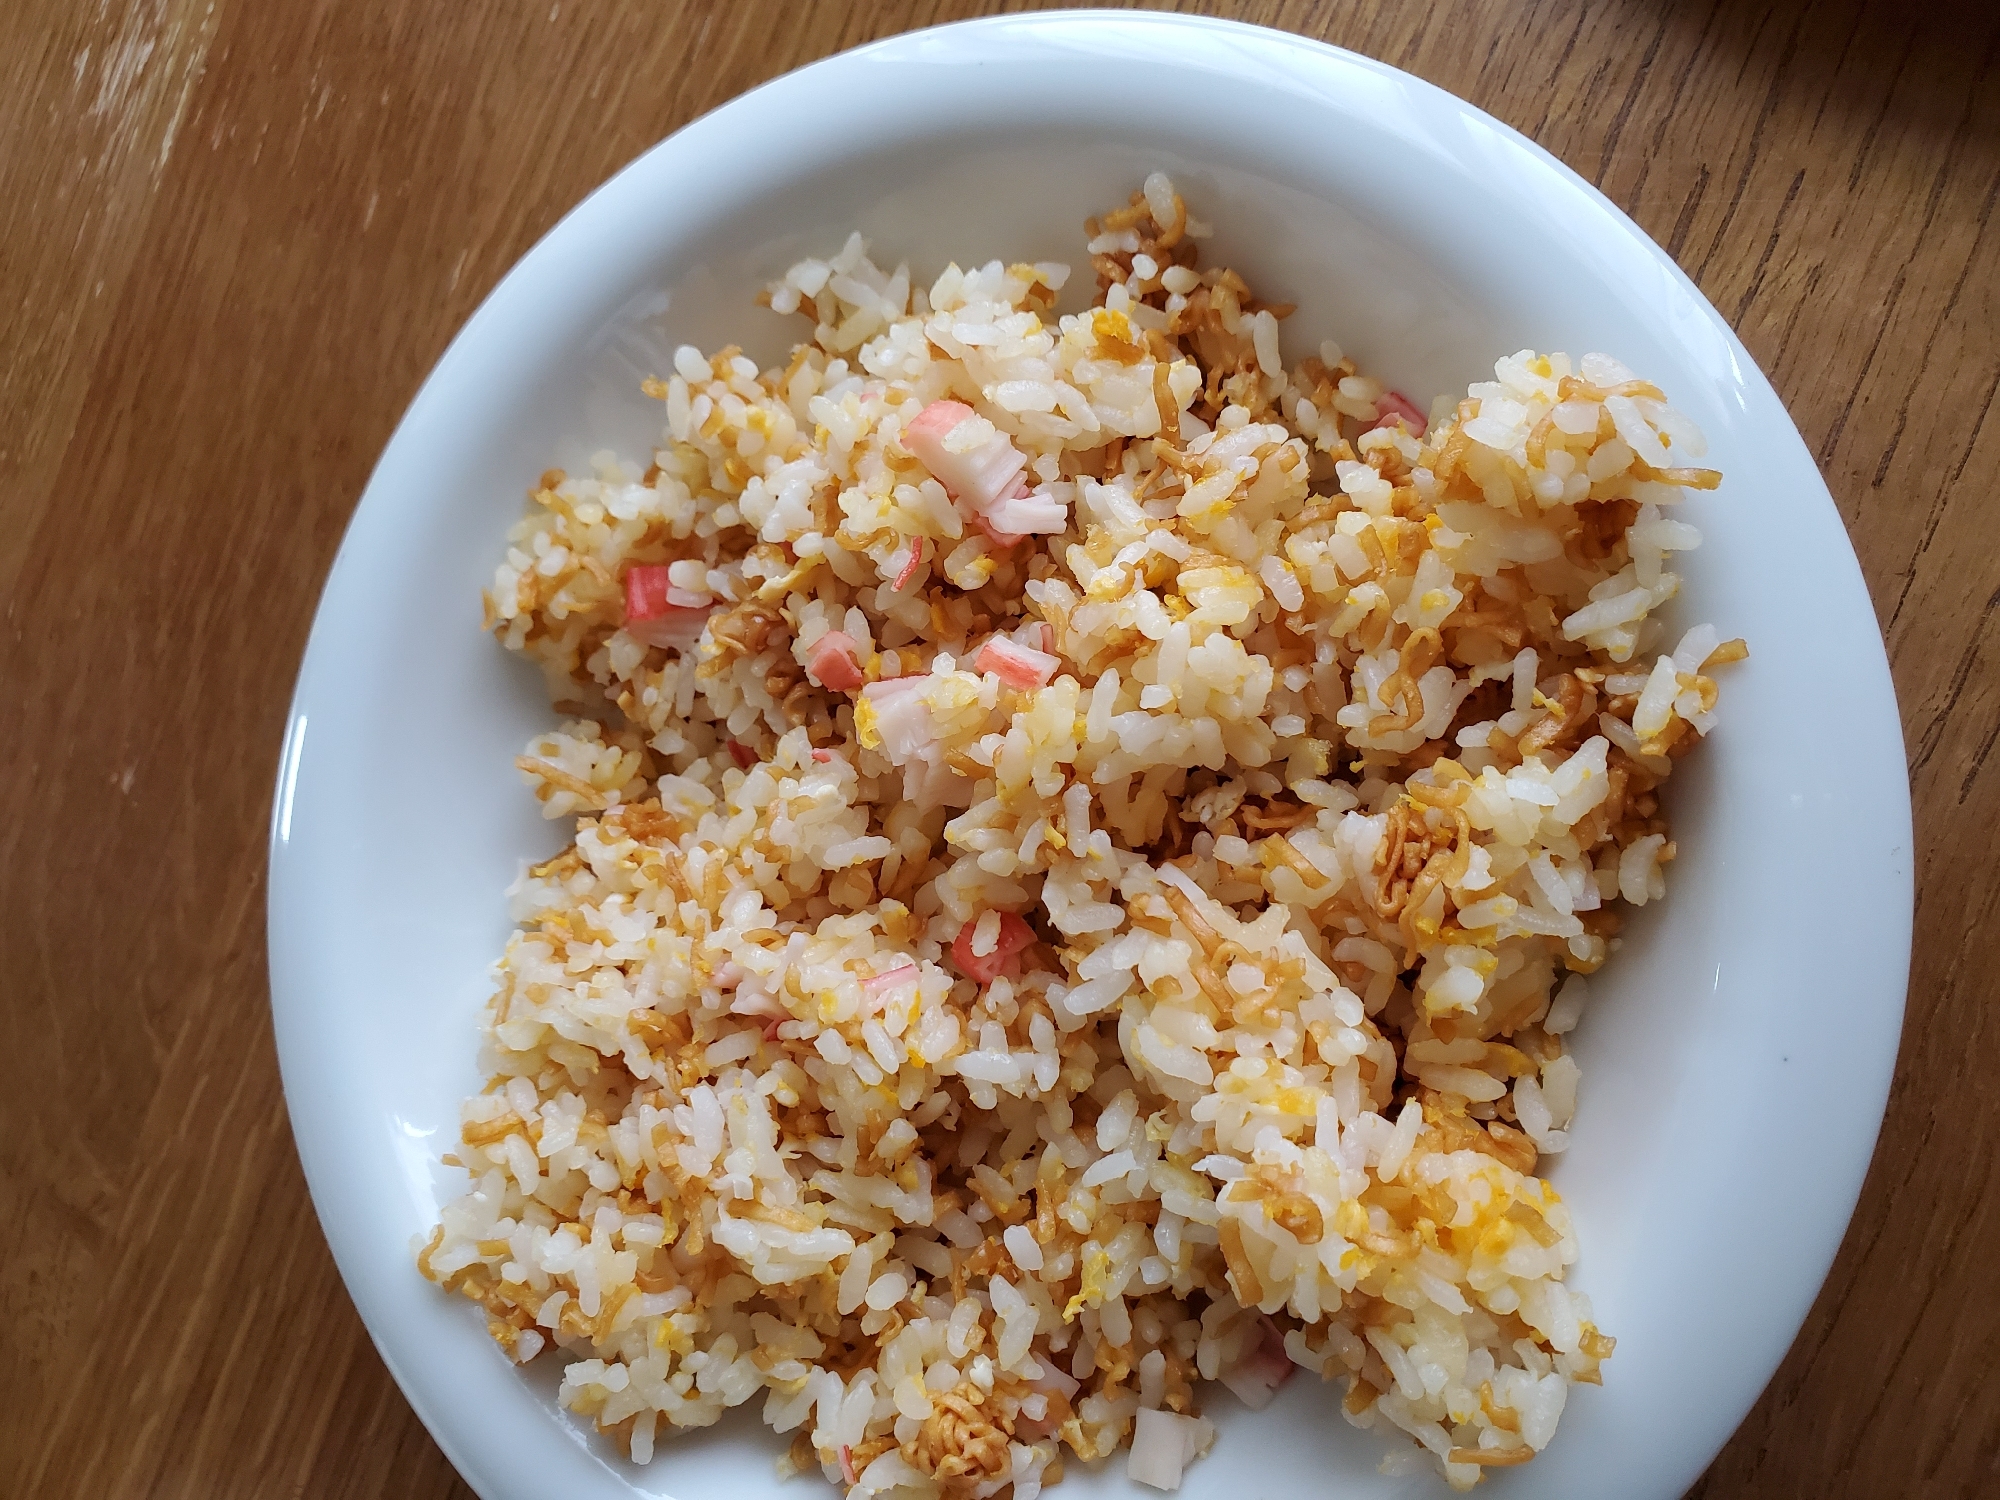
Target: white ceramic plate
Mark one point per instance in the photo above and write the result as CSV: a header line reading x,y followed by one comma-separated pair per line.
x,y
1738,1054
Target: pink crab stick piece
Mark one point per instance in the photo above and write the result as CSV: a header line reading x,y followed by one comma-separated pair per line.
x,y
1016,665
1393,405
646,586
984,968
889,979
1255,1379
909,568
977,476
985,478
659,614
902,718
1026,513
1023,514
995,535
834,661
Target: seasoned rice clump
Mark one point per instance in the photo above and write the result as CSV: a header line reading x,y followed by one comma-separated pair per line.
x,y
1075,894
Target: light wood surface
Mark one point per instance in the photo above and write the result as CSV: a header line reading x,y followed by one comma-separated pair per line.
x,y
236,234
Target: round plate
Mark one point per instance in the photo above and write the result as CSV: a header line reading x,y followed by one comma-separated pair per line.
x,y
1739,1050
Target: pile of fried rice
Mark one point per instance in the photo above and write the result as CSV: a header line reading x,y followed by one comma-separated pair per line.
x,y
1088,845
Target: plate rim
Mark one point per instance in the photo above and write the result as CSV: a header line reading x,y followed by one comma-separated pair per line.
x,y
481,1470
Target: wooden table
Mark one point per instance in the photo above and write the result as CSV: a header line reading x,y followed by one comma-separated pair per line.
x,y
236,235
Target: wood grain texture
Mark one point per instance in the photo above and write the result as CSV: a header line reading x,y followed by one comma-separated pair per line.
x,y
237,235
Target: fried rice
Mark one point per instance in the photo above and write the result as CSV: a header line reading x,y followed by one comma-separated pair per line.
x,y
1088,843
